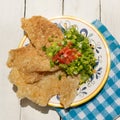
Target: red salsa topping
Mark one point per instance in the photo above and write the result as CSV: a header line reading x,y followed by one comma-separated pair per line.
x,y
66,55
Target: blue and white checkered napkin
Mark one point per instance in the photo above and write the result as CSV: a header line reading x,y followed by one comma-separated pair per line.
x,y
106,105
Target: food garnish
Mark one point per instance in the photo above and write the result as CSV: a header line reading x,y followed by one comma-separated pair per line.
x,y
73,54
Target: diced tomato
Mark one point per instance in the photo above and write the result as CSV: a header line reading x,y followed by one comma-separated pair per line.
x,y
66,55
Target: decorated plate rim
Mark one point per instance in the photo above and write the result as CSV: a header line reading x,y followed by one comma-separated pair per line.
x,y
97,90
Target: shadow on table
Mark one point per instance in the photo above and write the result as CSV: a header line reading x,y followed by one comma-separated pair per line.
x,y
25,102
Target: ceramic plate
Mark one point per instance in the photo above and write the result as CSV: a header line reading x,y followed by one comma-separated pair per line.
x,y
89,89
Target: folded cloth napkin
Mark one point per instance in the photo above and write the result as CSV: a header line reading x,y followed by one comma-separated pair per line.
x,y
106,105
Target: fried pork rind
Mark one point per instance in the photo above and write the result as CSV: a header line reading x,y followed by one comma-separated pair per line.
x,y
39,92
49,85
27,59
41,31
68,90
31,70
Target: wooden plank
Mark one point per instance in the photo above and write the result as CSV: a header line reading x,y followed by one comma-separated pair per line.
x,y
47,9
10,35
85,9
110,16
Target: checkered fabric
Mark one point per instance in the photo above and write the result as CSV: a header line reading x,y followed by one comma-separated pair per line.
x,y
106,105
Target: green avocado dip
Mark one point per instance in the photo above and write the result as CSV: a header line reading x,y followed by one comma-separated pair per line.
x,y
74,55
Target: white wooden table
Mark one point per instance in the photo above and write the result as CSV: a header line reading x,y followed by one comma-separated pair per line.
x,y
11,11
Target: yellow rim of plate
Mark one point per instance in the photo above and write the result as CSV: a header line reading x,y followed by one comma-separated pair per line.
x,y
96,91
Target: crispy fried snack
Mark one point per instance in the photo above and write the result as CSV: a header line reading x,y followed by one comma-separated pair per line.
x,y
39,92
48,85
41,31
68,90
31,71
27,59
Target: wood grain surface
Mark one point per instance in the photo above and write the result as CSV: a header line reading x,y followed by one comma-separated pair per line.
x,y
11,12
